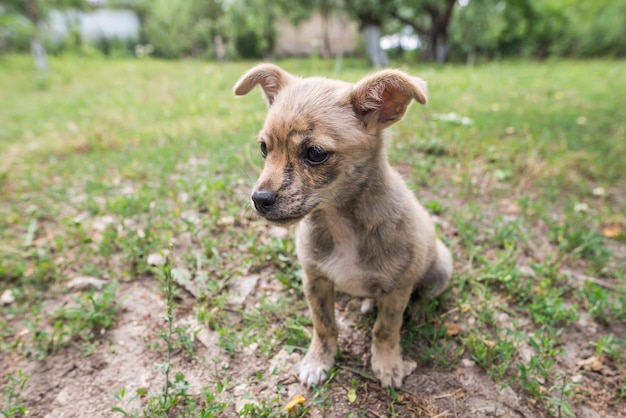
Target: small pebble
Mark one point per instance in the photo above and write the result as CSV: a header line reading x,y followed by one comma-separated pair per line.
x,y
7,297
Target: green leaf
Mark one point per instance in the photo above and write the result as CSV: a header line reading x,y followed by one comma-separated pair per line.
x,y
352,395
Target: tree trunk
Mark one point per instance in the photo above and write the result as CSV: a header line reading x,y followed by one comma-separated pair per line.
x,y
36,47
437,33
441,48
39,54
325,48
377,56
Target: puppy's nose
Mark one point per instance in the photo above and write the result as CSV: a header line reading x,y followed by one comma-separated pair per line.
x,y
263,200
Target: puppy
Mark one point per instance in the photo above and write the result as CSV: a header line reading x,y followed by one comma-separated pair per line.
x,y
359,228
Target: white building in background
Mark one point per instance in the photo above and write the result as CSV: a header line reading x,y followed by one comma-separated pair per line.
x,y
95,25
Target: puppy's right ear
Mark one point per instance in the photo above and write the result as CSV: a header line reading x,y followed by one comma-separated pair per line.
x,y
270,77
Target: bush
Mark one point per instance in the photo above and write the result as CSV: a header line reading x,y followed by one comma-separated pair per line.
x,y
15,33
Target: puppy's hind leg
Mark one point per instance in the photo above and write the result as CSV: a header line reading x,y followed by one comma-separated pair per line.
x,y
320,357
437,277
387,363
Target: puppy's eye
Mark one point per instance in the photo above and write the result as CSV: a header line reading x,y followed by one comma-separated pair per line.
x,y
316,155
263,150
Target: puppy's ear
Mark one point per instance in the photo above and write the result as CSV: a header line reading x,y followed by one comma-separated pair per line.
x,y
382,98
271,78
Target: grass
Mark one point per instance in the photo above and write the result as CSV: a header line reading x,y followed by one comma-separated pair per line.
x,y
522,163
11,391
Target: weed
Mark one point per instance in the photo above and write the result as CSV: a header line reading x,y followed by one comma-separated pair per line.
x,y
174,397
559,405
93,315
602,304
609,346
85,322
166,400
120,397
494,356
435,207
11,394
575,238
509,234
548,306
425,328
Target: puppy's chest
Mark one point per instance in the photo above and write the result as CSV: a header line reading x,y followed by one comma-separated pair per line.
x,y
336,253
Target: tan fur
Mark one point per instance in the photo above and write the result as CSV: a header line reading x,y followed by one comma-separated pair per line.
x,y
359,227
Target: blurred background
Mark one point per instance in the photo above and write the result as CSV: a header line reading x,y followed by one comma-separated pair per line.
x,y
411,30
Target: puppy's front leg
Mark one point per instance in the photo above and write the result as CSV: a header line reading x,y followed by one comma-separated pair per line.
x,y
320,295
387,363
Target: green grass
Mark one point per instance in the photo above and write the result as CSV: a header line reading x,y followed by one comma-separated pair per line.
x,y
11,391
109,161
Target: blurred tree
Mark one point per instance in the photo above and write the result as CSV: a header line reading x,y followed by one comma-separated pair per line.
x,y
178,28
605,34
430,19
476,29
372,15
249,27
538,29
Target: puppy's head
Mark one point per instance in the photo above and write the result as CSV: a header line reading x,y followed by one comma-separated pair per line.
x,y
322,139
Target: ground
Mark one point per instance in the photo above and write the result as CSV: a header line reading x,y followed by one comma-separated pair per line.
x,y
137,281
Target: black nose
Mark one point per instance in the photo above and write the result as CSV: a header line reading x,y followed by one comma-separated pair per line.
x,y
263,200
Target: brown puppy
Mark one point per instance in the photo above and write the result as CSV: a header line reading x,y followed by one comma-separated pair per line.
x,y
360,229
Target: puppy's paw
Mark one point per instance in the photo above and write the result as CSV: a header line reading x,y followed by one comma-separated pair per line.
x,y
368,305
391,370
313,369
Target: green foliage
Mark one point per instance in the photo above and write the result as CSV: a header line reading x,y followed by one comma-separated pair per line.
x,y
178,28
251,35
83,322
539,28
16,31
181,28
11,391
603,304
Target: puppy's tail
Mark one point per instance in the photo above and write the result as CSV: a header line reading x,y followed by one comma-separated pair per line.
x,y
434,282
437,279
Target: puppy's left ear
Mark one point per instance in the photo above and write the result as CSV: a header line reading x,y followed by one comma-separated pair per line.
x,y
270,77
382,98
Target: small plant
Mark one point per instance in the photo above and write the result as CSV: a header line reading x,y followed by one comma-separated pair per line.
x,y
85,322
601,304
93,315
575,238
549,308
171,390
120,397
11,395
426,327
493,356
559,405
435,207
174,397
608,346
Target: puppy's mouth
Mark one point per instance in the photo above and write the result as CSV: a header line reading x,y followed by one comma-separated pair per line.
x,y
284,220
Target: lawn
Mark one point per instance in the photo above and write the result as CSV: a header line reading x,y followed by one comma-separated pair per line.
x,y
136,278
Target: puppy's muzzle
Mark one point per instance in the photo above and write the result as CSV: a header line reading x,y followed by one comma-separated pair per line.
x,y
264,200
